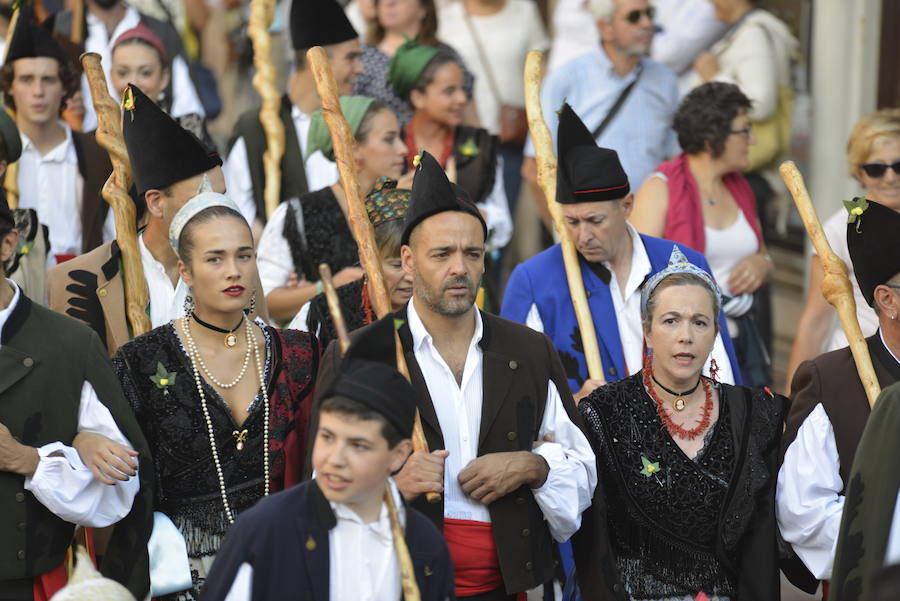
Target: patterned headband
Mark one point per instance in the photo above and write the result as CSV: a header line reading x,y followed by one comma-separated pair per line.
x,y
201,202
678,263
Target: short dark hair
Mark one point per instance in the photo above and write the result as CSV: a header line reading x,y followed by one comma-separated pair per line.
x,y
186,238
67,75
703,121
356,410
430,71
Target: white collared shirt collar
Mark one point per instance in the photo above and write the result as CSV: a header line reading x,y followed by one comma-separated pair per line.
x,y
5,313
130,20
881,335
62,153
640,264
421,336
380,527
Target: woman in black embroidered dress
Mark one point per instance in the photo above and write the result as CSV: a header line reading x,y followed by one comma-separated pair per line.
x,y
215,433
313,229
386,206
684,505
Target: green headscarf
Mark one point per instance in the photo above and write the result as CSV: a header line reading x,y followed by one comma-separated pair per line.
x,y
409,61
319,138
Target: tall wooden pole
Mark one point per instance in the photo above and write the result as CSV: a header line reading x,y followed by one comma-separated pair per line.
x,y
546,175
836,286
360,226
115,192
261,14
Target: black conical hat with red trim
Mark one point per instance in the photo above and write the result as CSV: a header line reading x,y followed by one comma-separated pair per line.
x,y
585,172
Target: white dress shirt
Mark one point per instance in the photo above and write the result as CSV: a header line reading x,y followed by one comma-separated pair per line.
x,y
51,185
61,482
686,28
627,304
184,96
362,560
273,253
320,172
570,483
166,301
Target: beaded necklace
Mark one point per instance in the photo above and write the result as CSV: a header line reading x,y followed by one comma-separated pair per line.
x,y
673,428
192,353
192,347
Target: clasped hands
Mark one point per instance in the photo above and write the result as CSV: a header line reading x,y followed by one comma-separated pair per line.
x,y
485,479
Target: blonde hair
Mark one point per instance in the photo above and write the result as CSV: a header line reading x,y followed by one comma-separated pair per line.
x,y
870,131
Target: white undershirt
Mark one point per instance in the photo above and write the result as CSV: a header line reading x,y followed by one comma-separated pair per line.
x,y
320,172
61,482
570,483
166,301
727,247
273,253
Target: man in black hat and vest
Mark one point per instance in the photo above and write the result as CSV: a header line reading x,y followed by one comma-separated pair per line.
x,y
56,381
169,166
60,171
830,409
614,258
313,23
514,469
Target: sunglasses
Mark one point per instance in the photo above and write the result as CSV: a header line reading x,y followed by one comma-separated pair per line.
x,y
635,15
877,170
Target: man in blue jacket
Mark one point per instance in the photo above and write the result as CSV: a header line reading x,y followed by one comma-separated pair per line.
x,y
615,261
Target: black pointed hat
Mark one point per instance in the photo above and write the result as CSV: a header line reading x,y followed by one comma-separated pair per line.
x,y
32,41
433,193
368,375
873,238
585,172
161,152
319,23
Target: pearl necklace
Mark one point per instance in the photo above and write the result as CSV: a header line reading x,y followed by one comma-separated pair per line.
x,y
192,347
251,338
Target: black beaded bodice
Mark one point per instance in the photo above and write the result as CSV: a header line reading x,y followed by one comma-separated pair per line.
x,y
325,236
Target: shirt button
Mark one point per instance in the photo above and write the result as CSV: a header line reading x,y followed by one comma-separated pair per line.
x,y
520,500
612,371
428,571
21,526
510,436
27,361
21,554
20,497
526,532
513,364
528,565
102,292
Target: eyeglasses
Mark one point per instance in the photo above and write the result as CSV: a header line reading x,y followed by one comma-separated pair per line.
x,y
877,170
894,286
744,132
635,15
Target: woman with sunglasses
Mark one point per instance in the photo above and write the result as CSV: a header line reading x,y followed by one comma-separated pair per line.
x,y
702,200
873,159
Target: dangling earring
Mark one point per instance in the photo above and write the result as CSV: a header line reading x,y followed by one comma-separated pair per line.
x,y
252,307
188,305
714,370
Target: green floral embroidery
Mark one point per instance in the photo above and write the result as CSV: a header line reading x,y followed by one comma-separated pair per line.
x,y
855,208
469,148
649,468
163,379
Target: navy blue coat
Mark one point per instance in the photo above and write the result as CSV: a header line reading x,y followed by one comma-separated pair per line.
x,y
285,538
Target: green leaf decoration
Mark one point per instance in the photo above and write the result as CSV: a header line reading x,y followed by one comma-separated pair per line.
x,y
650,468
855,208
163,378
469,148
398,323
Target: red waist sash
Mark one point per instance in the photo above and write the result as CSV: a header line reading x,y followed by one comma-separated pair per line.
x,y
474,554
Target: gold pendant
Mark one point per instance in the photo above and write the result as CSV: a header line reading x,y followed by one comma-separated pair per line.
x,y
230,340
240,437
678,404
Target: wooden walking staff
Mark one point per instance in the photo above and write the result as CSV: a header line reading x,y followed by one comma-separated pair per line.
x,y
115,192
407,573
360,226
546,175
261,14
836,286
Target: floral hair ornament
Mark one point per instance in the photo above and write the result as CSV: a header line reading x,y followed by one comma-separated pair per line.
x,y
678,263
855,208
201,202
